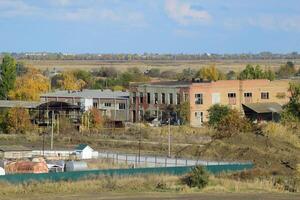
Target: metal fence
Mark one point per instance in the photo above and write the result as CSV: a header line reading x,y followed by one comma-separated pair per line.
x,y
158,161
78,175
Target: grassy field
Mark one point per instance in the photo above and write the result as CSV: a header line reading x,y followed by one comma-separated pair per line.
x,y
224,65
152,187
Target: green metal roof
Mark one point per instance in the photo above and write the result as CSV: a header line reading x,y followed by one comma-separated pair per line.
x,y
81,146
267,107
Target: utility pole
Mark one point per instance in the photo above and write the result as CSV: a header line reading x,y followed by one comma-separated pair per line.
x,y
52,129
57,124
169,139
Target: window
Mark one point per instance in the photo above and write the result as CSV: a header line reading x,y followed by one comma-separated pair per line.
x,y
148,98
232,98
155,98
248,97
231,95
134,98
265,95
141,97
216,98
163,98
107,104
199,116
95,104
178,98
171,98
121,106
198,98
248,94
186,97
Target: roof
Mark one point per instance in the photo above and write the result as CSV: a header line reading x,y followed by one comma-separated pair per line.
x,y
105,94
14,148
81,146
22,104
264,107
165,84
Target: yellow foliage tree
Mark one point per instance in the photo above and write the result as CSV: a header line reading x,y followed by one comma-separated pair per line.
x,y
30,86
210,73
18,120
69,81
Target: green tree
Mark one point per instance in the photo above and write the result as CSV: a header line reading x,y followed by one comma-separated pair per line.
x,y
287,70
231,75
251,72
216,113
8,76
231,124
293,106
154,72
184,111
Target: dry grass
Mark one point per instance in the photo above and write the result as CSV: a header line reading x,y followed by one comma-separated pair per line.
x,y
229,185
281,132
224,65
150,183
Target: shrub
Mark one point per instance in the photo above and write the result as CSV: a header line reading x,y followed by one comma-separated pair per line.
x,y
216,113
233,123
198,177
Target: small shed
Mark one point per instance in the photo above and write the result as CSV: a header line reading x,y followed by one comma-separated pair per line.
x,y
269,111
84,151
15,152
2,171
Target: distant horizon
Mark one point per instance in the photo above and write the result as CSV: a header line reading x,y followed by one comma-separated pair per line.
x,y
149,53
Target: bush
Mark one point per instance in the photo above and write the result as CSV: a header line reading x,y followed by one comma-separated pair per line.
x,y
198,177
233,123
216,113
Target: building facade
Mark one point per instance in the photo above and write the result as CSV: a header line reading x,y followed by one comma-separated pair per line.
x,y
113,104
155,97
201,95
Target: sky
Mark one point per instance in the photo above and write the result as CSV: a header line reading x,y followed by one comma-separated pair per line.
x,y
151,26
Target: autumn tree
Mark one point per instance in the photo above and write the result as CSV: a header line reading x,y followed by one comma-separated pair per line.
x,y
210,73
96,119
18,120
29,86
8,76
68,81
183,111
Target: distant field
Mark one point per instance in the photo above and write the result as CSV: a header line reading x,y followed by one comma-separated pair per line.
x,y
224,65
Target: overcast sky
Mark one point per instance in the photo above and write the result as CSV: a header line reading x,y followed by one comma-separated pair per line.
x,y
157,26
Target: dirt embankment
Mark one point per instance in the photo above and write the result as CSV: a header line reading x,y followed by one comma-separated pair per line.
x,y
271,155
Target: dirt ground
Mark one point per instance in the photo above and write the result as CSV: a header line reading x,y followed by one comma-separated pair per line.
x,y
158,196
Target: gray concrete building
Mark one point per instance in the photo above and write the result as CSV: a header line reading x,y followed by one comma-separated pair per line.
x,y
154,98
113,104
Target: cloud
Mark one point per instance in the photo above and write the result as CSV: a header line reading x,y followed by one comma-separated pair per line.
x,y
16,8
185,13
276,22
73,10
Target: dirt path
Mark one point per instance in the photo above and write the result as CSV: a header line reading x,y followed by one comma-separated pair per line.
x,y
158,196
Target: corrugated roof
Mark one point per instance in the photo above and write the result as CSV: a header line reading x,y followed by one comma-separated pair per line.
x,y
22,104
264,107
165,84
14,148
105,94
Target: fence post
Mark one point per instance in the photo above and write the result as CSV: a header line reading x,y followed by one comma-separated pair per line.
x,y
117,157
165,162
146,161
155,160
126,159
186,162
176,161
